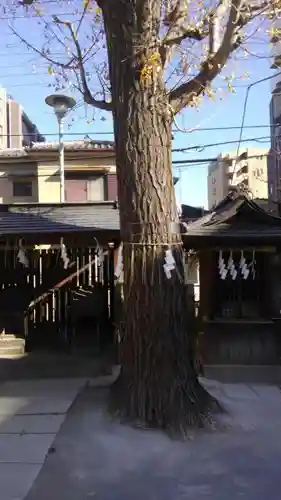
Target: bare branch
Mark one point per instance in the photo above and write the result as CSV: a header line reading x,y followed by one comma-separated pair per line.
x,y
87,95
185,93
178,30
66,66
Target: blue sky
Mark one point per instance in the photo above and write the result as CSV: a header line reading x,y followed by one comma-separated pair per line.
x,y
25,77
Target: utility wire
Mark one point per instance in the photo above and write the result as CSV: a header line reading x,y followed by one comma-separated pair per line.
x,y
201,147
194,162
245,110
209,129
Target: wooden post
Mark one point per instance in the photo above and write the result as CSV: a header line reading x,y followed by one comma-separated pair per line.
x,y
111,248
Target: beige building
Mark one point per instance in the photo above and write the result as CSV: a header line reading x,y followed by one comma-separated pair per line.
x,y
250,170
29,175
16,129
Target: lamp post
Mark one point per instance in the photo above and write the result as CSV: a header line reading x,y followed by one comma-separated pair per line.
x,y
61,104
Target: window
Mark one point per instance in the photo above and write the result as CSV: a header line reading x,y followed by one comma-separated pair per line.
x,y
95,189
22,189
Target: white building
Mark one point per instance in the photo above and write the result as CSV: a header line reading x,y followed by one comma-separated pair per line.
x,y
249,170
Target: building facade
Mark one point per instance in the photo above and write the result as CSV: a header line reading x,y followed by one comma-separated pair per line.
x,y
32,175
16,129
249,170
274,158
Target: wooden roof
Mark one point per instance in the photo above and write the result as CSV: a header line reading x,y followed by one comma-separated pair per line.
x,y
236,218
47,218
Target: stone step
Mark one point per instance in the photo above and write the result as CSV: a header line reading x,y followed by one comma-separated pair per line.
x,y
9,337
9,350
11,345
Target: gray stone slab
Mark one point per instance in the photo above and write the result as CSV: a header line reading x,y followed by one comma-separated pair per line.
x,y
268,392
55,388
27,448
17,479
101,459
45,406
26,424
239,391
12,405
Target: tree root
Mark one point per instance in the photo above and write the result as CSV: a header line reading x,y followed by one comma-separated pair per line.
x,y
176,409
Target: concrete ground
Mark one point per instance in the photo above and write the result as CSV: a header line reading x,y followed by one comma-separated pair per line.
x,y
31,413
94,457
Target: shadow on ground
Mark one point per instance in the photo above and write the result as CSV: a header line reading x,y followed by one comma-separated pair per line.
x,y
39,365
94,457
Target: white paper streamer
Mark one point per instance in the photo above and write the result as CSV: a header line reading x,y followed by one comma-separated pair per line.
x,y
22,255
119,265
64,256
170,264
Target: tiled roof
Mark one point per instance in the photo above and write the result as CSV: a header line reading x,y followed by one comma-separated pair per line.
x,y
235,217
189,212
13,153
82,145
71,145
56,218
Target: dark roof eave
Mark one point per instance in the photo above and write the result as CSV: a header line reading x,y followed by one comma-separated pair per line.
x,y
54,152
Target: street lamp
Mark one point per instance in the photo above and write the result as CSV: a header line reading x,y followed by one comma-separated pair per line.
x,y
61,104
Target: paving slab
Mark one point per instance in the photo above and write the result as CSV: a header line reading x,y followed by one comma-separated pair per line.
x,y
240,391
42,388
99,458
17,479
24,448
12,405
44,406
268,392
31,424
31,414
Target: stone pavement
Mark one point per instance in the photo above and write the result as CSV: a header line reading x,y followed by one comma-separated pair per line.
x,y
97,458
31,413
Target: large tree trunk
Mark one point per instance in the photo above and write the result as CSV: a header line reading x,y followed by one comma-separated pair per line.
x,y
158,384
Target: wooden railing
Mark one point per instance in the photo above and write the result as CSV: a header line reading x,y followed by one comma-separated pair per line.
x,y
55,302
61,284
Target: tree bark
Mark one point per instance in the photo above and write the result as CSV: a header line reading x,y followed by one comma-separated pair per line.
x,y
158,385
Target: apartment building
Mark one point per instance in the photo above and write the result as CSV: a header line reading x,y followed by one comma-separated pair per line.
x,y
32,174
16,129
274,157
249,170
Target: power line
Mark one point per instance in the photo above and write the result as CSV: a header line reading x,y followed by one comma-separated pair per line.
x,y
36,175
207,129
193,162
257,82
201,147
38,16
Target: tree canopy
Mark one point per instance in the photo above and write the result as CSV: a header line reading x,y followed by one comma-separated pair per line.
x,y
193,41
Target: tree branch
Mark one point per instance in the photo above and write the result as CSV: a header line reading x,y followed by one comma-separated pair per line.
x,y
66,66
178,30
87,95
185,93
